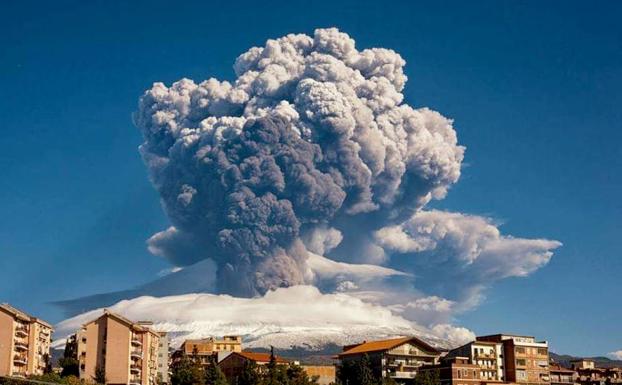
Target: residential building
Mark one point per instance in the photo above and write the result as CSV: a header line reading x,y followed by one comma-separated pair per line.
x,y
582,363
525,360
24,343
397,358
163,358
203,349
455,371
562,376
488,356
325,374
233,364
587,373
125,351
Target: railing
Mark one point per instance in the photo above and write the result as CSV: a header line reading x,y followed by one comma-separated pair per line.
x,y
21,345
18,359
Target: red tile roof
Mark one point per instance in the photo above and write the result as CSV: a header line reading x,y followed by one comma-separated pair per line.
x,y
260,357
382,345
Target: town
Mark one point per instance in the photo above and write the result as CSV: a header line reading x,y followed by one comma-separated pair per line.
x,y
112,349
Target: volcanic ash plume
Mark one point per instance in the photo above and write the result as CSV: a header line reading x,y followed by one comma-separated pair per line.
x,y
309,149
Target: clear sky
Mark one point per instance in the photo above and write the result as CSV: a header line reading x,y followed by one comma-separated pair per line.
x,y
534,88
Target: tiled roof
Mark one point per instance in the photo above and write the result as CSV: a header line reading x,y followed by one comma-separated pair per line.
x,y
260,357
381,345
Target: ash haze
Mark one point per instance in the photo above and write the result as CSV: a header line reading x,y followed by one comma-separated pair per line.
x,y
414,165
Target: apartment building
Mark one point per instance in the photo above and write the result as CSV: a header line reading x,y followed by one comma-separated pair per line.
x,y
203,349
125,351
163,358
455,371
24,343
525,360
397,358
487,356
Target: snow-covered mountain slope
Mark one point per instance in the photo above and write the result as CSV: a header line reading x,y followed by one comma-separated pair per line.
x,y
299,316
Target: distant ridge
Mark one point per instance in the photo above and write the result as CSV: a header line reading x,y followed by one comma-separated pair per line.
x,y
602,362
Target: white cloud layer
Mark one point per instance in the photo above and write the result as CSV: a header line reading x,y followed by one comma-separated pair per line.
x,y
617,355
286,317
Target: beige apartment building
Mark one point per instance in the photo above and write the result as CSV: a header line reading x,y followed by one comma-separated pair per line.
x,y
487,356
24,343
526,361
126,351
203,349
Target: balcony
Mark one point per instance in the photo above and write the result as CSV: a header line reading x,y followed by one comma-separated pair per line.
x,y
137,341
135,368
20,360
403,375
21,345
21,331
138,354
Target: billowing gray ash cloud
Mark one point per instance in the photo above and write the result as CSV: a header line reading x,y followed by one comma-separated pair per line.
x,y
311,148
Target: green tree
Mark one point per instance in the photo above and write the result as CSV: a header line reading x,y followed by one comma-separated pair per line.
x,y
365,373
213,374
100,375
69,361
297,376
357,372
187,371
249,374
274,375
428,377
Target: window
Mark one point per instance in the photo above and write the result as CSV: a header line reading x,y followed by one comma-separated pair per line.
x,y
520,350
521,375
542,351
521,362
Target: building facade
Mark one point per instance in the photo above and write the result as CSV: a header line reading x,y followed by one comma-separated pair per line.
x,y
526,361
562,376
487,356
163,358
398,358
124,351
203,349
454,371
24,343
324,374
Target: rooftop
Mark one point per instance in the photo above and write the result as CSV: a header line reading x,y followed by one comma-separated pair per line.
x,y
381,345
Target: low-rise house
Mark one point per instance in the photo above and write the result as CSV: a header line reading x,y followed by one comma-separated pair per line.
x,y
233,364
122,351
488,356
24,343
562,376
397,358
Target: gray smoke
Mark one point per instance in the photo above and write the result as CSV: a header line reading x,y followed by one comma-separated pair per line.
x,y
310,148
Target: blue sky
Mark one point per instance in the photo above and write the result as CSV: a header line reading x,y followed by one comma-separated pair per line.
x,y
534,88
